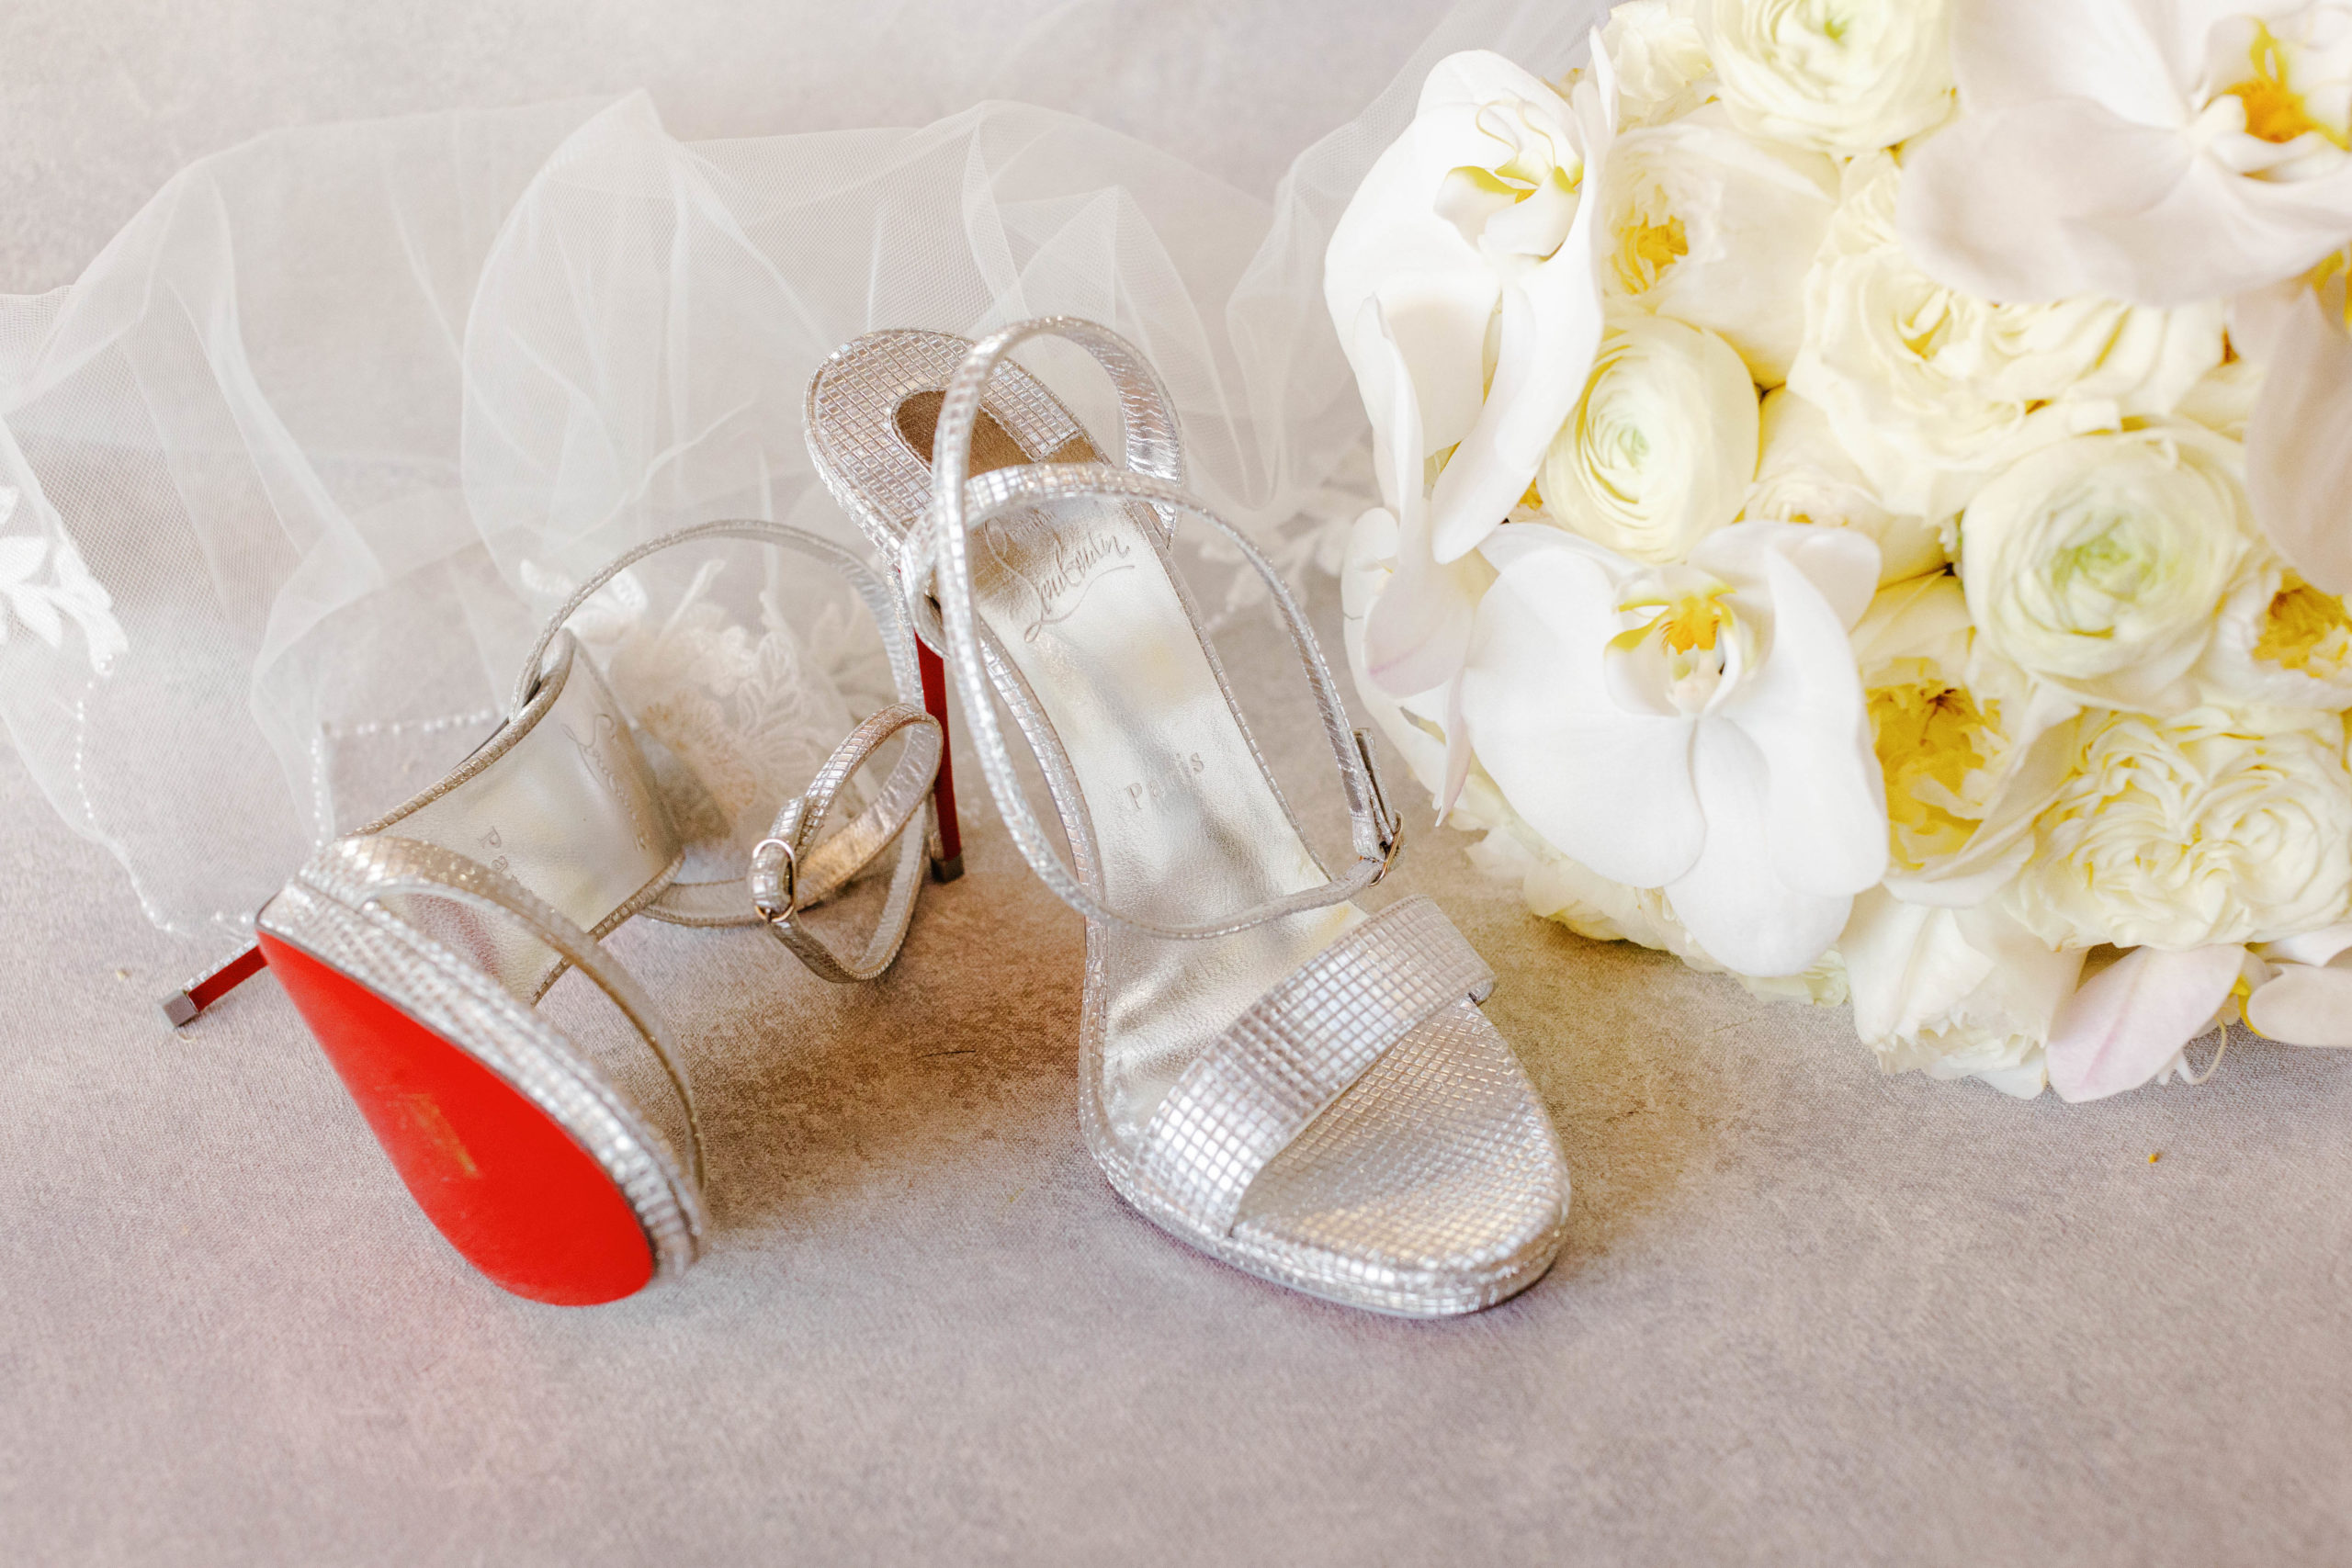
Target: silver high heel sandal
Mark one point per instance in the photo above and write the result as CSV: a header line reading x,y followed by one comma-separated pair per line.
x,y
416,948
1303,1089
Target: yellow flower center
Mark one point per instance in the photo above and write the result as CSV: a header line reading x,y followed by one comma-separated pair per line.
x,y
1647,250
1683,622
1930,736
2305,630
2275,111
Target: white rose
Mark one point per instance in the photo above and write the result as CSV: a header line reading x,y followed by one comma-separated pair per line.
x,y
1806,475
1842,76
1659,49
2211,828
1971,748
1662,448
2100,564
1710,226
1954,993
1933,390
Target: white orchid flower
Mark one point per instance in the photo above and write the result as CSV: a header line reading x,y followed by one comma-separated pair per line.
x,y
2159,152
1695,726
2135,1020
1471,238
2298,459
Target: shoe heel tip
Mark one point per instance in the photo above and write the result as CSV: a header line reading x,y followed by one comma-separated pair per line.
x,y
177,1008
947,870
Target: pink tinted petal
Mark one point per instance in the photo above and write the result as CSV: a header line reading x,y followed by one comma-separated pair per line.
x,y
2128,1020
2304,1007
2299,446
1732,900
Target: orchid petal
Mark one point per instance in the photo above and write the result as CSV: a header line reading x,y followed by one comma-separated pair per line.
x,y
1841,564
1733,901
1415,632
1608,788
1824,828
1984,210
2315,948
2007,52
1551,330
2303,1005
1364,575
2299,446
2120,1027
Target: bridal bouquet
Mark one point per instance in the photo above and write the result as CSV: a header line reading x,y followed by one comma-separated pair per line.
x,y
1867,507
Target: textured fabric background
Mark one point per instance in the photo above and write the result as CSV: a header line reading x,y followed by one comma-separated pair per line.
x,y
1808,1314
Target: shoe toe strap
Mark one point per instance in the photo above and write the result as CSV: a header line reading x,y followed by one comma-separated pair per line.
x,y
793,870
1296,1050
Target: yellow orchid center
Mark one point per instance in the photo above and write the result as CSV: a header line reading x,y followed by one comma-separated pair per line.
x,y
2275,111
2305,630
1931,737
2242,992
1683,622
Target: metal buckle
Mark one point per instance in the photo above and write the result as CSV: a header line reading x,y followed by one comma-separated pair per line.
x,y
1388,827
776,881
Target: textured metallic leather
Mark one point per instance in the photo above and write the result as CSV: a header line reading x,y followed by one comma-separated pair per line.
x,y
1295,1051
793,870
1429,1180
462,906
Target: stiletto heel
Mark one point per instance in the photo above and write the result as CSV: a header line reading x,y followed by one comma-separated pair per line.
x,y
1301,1088
416,948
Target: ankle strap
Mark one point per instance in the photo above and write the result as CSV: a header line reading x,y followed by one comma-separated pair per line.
x,y
790,873
935,563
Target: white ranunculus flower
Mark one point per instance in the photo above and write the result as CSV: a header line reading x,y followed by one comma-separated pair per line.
x,y
1470,248
2211,828
2100,564
1933,390
1954,993
1710,226
2159,151
1806,475
1839,76
1970,748
1659,51
1662,448
1694,727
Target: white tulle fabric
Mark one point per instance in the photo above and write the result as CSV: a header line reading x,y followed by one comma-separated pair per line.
x,y
289,474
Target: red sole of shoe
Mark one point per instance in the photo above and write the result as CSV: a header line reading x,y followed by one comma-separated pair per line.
x,y
508,1187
